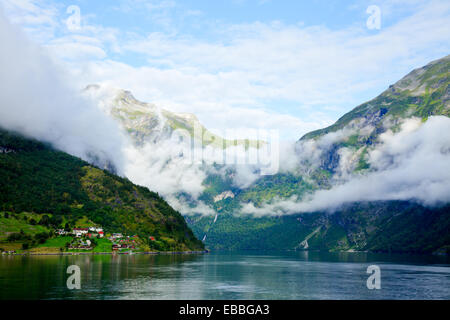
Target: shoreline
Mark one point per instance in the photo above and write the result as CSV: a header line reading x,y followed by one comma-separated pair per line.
x,y
107,253
202,252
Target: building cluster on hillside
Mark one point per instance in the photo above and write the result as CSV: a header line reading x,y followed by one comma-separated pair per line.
x,y
121,242
81,244
9,252
61,232
115,236
91,232
82,236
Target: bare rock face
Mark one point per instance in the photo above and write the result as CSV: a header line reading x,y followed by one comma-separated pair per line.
x,y
224,195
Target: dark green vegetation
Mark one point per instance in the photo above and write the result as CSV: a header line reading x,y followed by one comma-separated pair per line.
x,y
389,226
283,185
36,178
378,226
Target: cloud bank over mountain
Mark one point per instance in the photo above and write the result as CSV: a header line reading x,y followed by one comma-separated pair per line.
x,y
412,164
410,161
294,75
37,100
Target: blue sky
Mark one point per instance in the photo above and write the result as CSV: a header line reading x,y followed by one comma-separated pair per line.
x,y
294,66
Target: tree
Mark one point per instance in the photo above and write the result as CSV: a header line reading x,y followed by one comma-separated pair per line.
x,y
94,242
55,220
45,220
41,237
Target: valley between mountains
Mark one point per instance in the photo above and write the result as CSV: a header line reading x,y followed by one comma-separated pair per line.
x,y
376,180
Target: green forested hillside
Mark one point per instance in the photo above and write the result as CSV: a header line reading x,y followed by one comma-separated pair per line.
x,y
36,178
389,226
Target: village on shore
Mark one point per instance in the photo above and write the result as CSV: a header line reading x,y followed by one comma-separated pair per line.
x,y
92,237
83,239
33,234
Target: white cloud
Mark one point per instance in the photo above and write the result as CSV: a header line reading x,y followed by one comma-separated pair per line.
x,y
38,101
160,167
311,65
413,164
251,69
235,80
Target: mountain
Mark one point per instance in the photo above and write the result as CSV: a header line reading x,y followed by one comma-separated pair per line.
x,y
34,177
422,93
325,159
328,158
147,122
385,226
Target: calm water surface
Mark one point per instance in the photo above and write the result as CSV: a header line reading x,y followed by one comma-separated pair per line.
x,y
226,276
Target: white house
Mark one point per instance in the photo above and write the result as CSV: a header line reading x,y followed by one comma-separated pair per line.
x,y
78,232
61,232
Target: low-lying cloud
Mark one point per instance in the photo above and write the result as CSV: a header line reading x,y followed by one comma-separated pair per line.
x,y
37,100
413,164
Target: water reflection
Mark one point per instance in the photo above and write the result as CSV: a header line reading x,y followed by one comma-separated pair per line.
x,y
295,275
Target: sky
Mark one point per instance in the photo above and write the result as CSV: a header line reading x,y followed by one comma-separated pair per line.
x,y
293,66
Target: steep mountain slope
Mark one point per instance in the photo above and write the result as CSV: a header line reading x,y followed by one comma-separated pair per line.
x,y
329,157
36,178
326,158
389,226
422,93
146,122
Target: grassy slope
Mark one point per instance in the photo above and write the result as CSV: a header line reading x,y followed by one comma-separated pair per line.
x,y
103,245
12,225
58,242
36,178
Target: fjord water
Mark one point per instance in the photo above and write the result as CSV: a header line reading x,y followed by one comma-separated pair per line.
x,y
300,275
